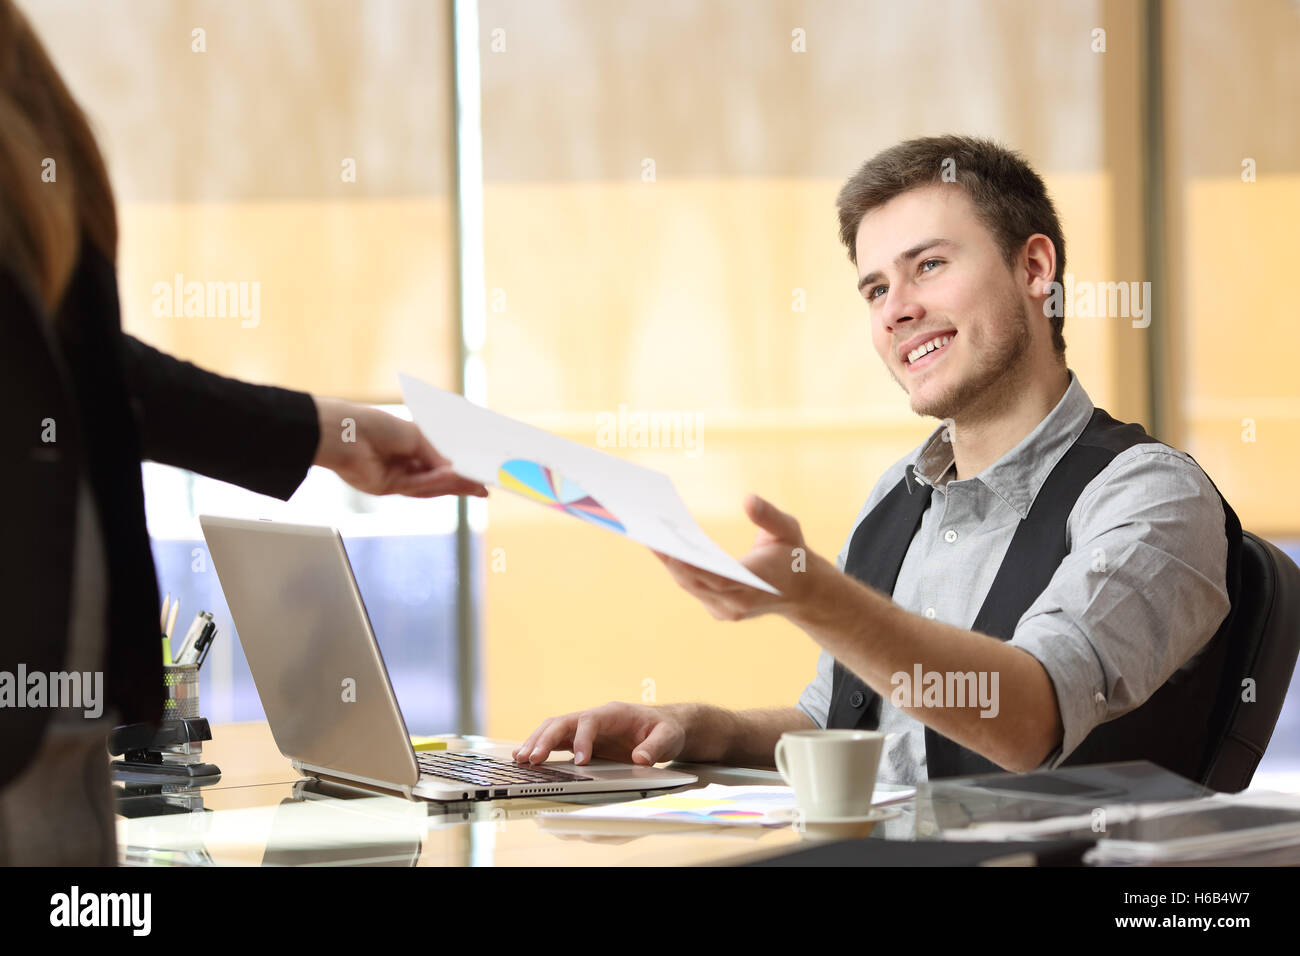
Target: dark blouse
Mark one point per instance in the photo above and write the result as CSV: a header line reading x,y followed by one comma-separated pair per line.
x,y
112,401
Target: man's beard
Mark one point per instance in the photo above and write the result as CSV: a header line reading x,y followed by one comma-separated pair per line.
x,y
995,379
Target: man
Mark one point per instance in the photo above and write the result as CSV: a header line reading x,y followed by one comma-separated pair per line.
x,y
1050,569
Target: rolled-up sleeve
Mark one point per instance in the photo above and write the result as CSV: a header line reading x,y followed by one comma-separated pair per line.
x,y
1140,593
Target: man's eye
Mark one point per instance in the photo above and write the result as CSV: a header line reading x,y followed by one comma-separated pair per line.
x,y
871,293
928,261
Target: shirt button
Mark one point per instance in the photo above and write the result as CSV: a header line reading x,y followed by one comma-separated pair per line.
x,y
1100,697
950,536
929,612
857,699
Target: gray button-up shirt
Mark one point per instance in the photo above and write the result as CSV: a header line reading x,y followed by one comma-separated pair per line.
x,y
1139,595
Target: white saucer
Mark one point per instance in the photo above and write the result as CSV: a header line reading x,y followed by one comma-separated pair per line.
x,y
838,828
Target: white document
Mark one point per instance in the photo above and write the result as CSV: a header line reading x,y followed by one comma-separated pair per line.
x,y
713,805
602,490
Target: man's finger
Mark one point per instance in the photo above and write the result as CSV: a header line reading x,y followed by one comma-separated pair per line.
x,y
525,748
558,735
772,519
584,737
659,742
684,575
705,580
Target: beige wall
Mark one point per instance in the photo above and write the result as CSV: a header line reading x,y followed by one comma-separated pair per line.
x,y
1234,94
228,167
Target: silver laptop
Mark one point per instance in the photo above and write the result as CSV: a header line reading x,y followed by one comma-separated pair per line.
x,y
325,689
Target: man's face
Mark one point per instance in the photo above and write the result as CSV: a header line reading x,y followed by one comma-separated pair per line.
x,y
929,271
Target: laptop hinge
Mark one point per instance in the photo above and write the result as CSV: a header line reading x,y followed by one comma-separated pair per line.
x,y
389,786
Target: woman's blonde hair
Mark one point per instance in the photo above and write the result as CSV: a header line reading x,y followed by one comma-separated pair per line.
x,y
46,208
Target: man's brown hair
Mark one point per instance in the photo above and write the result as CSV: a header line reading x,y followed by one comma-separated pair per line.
x,y
1009,197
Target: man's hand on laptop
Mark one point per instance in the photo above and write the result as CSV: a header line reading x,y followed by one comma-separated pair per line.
x,y
629,733
381,454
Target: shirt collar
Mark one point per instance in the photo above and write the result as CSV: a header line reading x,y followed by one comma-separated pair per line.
x,y
1017,475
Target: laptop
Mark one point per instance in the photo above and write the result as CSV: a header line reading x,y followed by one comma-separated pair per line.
x,y
326,692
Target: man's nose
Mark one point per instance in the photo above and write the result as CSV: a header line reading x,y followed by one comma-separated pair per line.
x,y
897,313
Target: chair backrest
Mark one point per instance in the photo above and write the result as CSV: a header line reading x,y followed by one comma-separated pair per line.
x,y
1263,643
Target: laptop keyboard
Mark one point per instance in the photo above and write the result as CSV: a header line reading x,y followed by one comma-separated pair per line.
x,y
483,770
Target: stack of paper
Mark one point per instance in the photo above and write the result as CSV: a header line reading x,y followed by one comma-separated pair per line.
x,y
1254,828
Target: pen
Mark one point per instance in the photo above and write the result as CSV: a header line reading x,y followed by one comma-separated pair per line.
x,y
200,641
191,636
211,632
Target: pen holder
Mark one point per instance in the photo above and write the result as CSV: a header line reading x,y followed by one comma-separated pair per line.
x,y
175,747
180,691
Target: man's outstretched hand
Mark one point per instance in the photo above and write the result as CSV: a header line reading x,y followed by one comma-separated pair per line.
x,y
779,556
381,454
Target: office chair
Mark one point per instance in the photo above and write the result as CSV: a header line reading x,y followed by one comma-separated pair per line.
x,y
1263,643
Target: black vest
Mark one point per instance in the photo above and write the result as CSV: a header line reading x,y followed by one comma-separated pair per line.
x,y
1171,728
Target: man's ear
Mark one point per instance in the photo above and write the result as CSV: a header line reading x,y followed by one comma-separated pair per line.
x,y
1040,265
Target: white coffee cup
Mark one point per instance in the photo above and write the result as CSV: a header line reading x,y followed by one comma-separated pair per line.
x,y
832,772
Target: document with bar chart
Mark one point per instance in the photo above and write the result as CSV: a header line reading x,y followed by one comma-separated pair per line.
x,y
589,485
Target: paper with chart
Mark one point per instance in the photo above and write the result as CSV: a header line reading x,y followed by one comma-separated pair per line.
x,y
639,503
715,804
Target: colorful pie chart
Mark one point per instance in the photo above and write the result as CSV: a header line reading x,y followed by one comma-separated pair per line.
x,y
550,488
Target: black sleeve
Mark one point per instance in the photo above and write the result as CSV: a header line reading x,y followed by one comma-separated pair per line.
x,y
260,437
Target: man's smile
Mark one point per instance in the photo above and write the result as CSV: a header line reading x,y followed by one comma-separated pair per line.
x,y
925,350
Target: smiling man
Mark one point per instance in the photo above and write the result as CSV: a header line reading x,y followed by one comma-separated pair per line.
x,y
1035,584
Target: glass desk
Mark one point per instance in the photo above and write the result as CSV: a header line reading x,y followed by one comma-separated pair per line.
x,y
287,820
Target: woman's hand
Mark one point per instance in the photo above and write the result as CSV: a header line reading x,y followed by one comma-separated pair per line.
x,y
381,454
